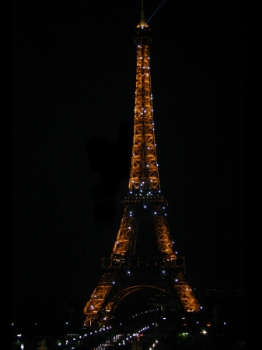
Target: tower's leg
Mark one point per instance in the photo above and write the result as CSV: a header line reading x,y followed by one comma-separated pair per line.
x,y
186,294
164,239
98,297
125,235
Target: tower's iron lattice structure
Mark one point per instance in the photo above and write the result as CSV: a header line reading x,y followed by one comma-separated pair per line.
x,y
125,272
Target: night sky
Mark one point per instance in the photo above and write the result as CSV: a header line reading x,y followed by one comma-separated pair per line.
x,y
73,84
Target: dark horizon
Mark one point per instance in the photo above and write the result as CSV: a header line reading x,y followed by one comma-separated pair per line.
x,y
73,82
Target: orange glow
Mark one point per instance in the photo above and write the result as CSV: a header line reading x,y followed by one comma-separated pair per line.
x,y
145,204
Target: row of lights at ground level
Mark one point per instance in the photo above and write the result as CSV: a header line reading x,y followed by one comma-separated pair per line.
x,y
116,339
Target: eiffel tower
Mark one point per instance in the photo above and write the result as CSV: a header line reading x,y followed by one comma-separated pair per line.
x,y
126,271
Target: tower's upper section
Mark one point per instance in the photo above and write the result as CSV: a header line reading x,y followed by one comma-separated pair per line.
x,y
144,177
143,32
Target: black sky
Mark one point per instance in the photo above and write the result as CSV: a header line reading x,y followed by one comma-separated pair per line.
x,y
73,80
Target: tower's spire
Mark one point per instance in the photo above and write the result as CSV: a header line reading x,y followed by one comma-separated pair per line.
x,y
142,12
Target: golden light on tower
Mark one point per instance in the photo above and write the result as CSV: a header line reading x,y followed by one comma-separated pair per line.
x,y
125,272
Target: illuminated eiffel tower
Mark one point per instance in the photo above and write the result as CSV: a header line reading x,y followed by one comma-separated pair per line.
x,y
126,272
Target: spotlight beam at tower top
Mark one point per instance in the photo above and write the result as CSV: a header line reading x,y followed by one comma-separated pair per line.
x,y
154,13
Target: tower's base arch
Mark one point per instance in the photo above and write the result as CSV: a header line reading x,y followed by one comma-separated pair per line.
x,y
115,286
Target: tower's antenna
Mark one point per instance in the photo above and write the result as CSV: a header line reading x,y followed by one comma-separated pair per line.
x,y
142,12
